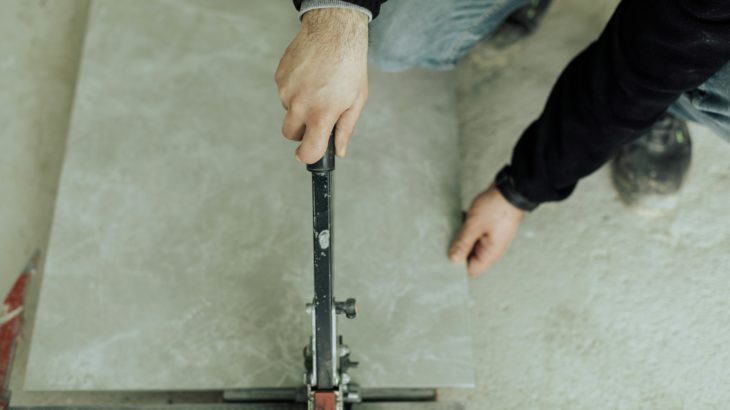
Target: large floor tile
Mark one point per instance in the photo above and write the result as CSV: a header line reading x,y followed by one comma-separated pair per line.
x,y
180,255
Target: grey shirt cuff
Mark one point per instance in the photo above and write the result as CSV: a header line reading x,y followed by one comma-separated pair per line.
x,y
309,5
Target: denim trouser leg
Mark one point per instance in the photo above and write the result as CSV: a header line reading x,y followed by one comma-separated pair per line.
x,y
433,34
709,104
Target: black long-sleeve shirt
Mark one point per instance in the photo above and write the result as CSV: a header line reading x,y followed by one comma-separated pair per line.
x,y
650,52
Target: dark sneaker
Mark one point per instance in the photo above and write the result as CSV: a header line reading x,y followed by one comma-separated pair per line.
x,y
649,172
520,24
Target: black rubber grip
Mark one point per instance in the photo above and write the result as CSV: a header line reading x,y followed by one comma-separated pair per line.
x,y
327,163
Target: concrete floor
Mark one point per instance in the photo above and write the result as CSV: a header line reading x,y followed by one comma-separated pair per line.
x,y
593,306
39,58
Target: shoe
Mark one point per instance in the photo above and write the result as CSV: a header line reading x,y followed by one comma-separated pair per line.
x,y
520,24
649,172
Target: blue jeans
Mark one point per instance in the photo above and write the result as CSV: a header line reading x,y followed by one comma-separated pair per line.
x,y
436,34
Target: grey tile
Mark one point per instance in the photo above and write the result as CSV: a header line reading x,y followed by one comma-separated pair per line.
x,y
180,254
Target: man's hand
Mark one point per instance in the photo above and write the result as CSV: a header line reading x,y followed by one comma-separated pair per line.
x,y
322,80
488,230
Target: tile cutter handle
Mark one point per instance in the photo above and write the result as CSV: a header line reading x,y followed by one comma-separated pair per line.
x,y
325,372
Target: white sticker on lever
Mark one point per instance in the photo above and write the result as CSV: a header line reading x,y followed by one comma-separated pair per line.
x,y
324,239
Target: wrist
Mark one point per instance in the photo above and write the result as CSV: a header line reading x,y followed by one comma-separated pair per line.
x,y
506,186
506,208
337,18
337,33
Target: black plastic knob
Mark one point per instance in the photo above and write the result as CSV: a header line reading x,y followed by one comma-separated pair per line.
x,y
348,308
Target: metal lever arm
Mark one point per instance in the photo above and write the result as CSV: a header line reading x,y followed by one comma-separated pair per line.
x,y
325,328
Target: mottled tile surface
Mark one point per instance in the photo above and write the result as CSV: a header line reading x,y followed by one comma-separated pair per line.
x,y
180,254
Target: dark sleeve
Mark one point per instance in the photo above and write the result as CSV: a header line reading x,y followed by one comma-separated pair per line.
x,y
650,52
372,5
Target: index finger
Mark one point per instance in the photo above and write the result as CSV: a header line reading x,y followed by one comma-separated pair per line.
x,y
464,242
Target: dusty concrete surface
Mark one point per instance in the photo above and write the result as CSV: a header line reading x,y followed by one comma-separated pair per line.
x,y
39,55
593,306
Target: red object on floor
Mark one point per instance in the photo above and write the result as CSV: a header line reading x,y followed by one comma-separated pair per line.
x,y
11,321
325,400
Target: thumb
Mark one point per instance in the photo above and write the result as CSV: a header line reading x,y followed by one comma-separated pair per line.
x,y
316,138
462,246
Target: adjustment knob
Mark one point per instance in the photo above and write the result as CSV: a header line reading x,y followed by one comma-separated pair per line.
x,y
348,308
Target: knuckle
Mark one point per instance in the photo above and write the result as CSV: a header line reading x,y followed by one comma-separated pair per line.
x,y
476,204
317,115
477,208
314,144
472,219
282,94
289,135
319,144
286,132
309,156
296,106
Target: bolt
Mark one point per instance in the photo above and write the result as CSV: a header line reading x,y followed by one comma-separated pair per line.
x,y
348,307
